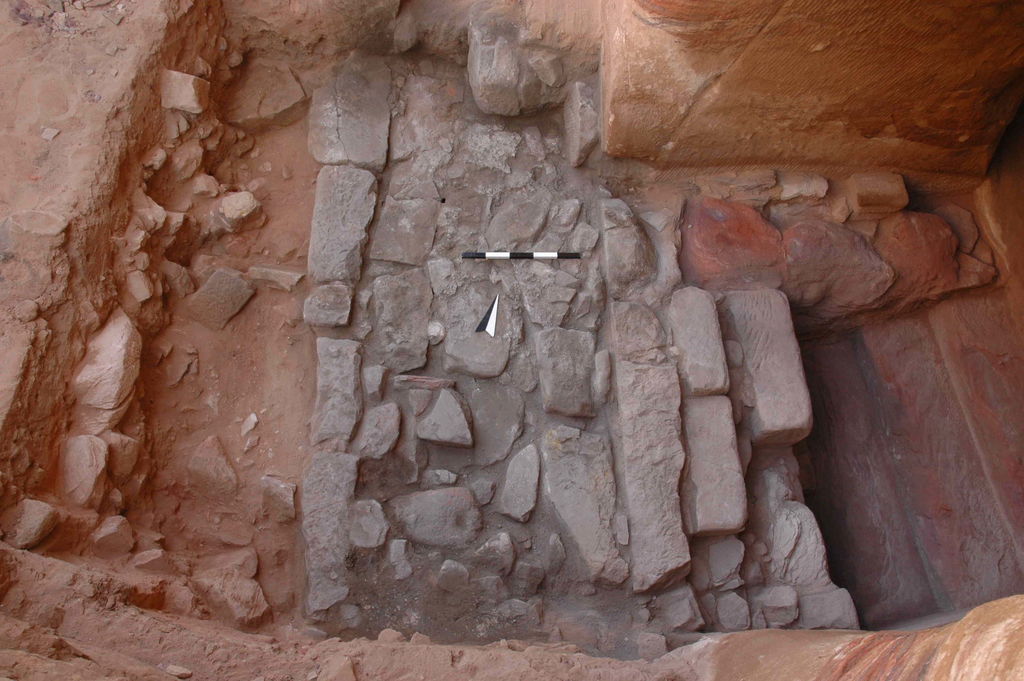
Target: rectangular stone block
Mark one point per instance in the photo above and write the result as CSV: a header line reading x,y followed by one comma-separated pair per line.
x,y
697,337
760,321
339,397
579,482
350,116
565,360
343,207
714,496
327,490
651,460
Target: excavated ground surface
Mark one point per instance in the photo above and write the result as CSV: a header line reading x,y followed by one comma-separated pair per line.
x,y
225,262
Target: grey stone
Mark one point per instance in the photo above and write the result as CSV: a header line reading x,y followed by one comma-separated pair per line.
x,y
650,646
439,477
489,146
350,116
519,490
401,313
583,239
453,577
716,564
497,553
483,490
220,298
774,607
601,380
582,124
446,517
327,490
547,291
679,609
500,408
491,589
629,259
328,305
447,421
404,231
209,471
342,210
548,67
636,332
339,402
368,528
83,464
398,557
794,550
827,609
563,215
425,129
565,363
378,432
555,556
282,278
493,66
373,380
579,483
527,577
652,461
28,523
518,220
697,338
620,526
731,612
760,321
714,494
278,499
113,537
468,352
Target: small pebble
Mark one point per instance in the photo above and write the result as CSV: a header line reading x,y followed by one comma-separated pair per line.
x,y
49,133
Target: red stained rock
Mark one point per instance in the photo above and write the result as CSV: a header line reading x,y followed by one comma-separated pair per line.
x,y
728,245
832,269
921,248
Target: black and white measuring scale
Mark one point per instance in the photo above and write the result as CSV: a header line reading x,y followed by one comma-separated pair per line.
x,y
490,319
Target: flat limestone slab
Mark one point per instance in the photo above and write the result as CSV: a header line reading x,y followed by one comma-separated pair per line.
x,y
697,337
327,490
565,358
342,210
652,460
350,116
339,398
578,481
714,495
760,321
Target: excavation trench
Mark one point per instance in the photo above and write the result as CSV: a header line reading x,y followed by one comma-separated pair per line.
x,y
763,398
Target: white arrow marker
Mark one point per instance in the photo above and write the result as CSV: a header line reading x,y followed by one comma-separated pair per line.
x,y
490,320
